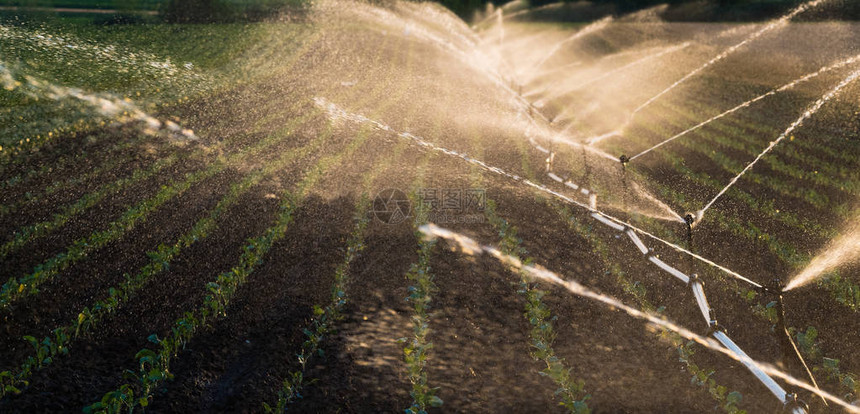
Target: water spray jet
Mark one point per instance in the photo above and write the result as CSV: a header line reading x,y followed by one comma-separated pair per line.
x,y
793,404
775,290
690,221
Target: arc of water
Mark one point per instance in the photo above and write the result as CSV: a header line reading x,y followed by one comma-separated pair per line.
x,y
782,88
612,72
654,200
762,371
770,26
610,134
590,28
550,71
841,250
486,19
806,114
335,112
530,10
501,23
106,105
579,63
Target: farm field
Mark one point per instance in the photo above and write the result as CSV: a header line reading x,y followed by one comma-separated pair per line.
x,y
383,208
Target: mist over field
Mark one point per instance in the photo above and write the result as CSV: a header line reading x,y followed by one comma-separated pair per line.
x,y
394,206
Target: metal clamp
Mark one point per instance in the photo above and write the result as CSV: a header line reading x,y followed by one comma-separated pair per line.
x,y
694,277
714,326
793,404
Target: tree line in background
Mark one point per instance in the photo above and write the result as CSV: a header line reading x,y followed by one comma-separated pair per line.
x,y
174,11
678,10
200,11
205,11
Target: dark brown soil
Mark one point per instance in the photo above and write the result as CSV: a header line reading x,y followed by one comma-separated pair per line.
x,y
481,356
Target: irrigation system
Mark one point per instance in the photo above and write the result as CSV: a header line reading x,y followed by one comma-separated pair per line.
x,y
776,289
605,190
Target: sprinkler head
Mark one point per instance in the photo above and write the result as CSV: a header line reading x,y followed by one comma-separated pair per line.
x,y
694,277
624,159
775,285
793,404
690,219
714,326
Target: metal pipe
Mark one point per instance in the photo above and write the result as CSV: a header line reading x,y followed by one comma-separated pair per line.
x,y
637,241
671,270
789,347
698,288
765,379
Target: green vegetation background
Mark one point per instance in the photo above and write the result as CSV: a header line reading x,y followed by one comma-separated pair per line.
x,y
680,10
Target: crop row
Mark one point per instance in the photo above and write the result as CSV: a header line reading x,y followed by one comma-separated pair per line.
x,y
834,175
417,347
59,185
35,231
160,259
65,162
542,334
843,290
322,324
231,71
326,316
809,195
157,96
154,365
115,400
753,121
727,400
27,285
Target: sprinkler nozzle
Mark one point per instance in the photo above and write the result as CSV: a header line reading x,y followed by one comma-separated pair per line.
x,y
793,404
690,219
774,287
624,159
694,277
714,326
